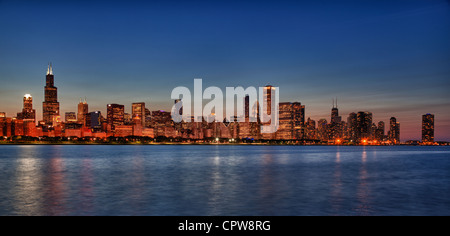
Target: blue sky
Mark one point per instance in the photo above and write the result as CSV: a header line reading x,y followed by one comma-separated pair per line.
x,y
388,57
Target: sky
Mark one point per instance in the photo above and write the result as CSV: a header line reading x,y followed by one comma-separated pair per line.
x,y
388,57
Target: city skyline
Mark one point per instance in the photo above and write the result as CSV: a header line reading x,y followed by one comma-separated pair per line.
x,y
389,59
360,127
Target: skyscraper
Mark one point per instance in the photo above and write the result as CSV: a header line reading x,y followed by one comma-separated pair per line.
x,y
291,120
83,110
351,127
322,130
363,125
335,118
379,134
138,113
247,107
394,131
115,115
310,129
286,125
267,118
50,106
428,128
298,117
269,91
335,124
93,119
251,111
28,113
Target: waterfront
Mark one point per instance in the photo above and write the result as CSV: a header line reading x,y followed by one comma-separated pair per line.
x,y
224,180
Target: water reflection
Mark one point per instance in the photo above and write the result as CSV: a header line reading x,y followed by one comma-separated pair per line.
x,y
86,189
55,183
215,188
221,180
27,183
363,190
336,188
138,181
267,188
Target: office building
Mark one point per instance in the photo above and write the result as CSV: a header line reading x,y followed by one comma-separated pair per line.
x,y
138,113
28,113
83,110
428,128
50,106
394,131
115,115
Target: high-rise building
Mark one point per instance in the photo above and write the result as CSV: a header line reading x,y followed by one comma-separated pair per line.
x,y
115,115
71,117
28,113
335,118
286,121
379,133
148,117
291,120
138,113
181,109
322,130
247,107
93,120
310,129
251,111
351,127
50,106
298,118
363,126
267,130
394,131
336,129
428,128
83,110
268,91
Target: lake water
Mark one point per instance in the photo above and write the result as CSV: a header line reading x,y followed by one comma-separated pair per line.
x,y
223,180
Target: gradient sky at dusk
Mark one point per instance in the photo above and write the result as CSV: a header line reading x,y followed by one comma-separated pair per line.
x,y
391,58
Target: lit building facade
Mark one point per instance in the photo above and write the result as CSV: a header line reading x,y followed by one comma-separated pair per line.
x,y
50,106
138,113
394,131
115,115
363,126
428,128
70,117
28,113
83,110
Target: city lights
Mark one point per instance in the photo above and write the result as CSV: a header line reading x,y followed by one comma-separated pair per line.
x,y
248,125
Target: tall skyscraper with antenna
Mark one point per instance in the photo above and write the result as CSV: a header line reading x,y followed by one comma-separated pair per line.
x,y
50,106
335,118
336,131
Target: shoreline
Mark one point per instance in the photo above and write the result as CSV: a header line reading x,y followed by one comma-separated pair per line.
x,y
181,143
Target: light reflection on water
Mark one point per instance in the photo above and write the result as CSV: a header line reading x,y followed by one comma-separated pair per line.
x,y
224,180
